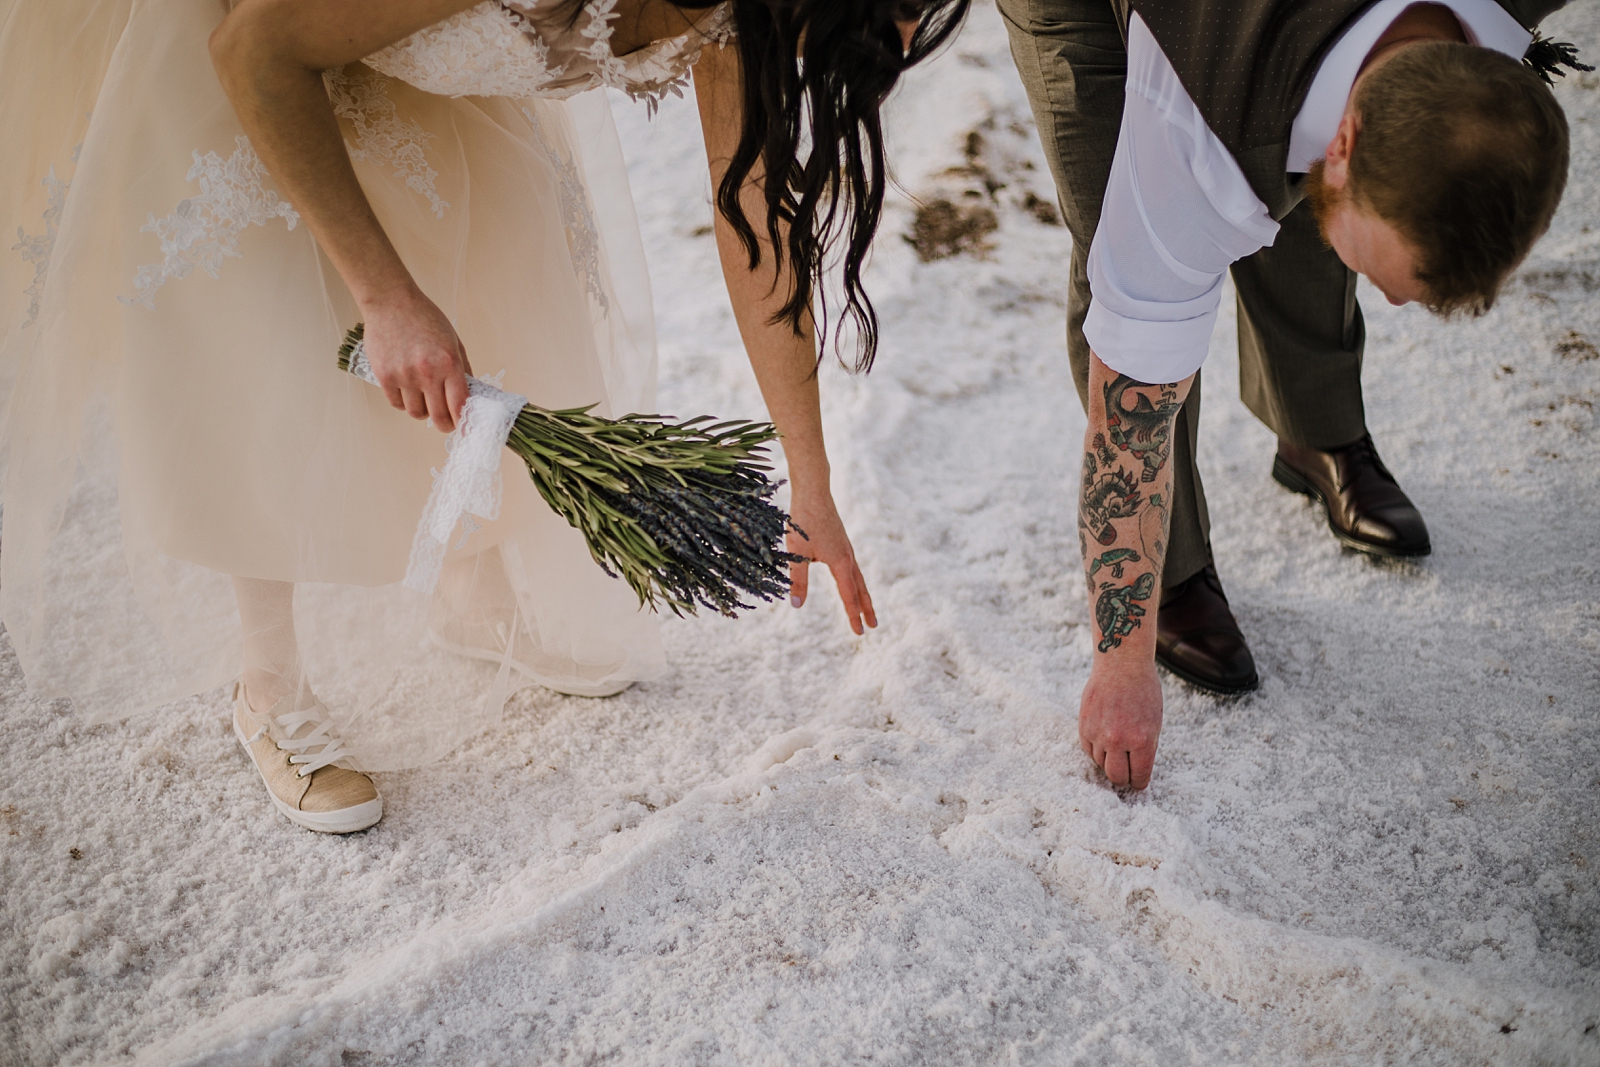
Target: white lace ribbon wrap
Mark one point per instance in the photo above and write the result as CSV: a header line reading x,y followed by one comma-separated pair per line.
x,y
469,484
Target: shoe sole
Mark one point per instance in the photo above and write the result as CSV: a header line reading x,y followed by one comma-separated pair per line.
x,y
1293,481
347,821
1214,688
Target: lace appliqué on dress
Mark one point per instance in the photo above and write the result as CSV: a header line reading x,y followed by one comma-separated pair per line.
x,y
609,70
382,136
486,50
527,48
577,217
204,230
36,248
657,71
720,31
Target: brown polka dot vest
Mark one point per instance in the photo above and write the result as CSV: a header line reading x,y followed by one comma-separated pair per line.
x,y
1248,64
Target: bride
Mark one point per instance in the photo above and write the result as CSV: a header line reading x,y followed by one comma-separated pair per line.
x,y
206,199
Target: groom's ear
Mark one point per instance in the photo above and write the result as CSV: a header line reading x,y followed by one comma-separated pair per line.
x,y
1336,163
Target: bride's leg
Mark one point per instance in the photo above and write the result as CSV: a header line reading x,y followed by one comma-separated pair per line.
x,y
271,662
299,752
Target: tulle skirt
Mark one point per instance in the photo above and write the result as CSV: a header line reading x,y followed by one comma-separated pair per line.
x,y
175,416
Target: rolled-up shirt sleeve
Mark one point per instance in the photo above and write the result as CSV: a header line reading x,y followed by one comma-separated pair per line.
x,y
1177,212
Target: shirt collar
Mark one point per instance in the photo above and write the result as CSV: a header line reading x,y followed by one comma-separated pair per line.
x,y
1486,23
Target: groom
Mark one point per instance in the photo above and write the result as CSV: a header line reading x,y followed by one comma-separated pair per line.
x,y
1296,143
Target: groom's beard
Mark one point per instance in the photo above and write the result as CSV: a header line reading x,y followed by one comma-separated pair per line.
x,y
1324,199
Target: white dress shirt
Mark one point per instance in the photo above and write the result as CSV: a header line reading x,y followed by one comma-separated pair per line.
x,y
1178,210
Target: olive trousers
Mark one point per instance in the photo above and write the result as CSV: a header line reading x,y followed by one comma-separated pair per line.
x,y
1301,333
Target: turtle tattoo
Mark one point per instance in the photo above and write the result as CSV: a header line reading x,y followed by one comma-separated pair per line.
x,y
1145,430
1116,611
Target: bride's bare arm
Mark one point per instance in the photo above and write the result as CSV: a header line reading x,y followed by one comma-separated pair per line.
x,y
269,55
785,363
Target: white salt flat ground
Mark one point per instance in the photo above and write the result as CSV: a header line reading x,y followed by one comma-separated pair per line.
x,y
803,847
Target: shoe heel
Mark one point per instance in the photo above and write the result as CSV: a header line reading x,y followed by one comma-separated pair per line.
x,y
1291,480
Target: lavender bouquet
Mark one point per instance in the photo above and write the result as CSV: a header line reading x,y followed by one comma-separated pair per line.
x,y
681,511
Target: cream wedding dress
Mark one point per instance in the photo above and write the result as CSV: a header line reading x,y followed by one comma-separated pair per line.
x,y
174,414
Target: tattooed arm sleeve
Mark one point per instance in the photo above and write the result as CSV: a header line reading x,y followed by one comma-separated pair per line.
x,y
1125,503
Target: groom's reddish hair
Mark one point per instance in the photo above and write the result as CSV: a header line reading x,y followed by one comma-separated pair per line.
x,y
1464,151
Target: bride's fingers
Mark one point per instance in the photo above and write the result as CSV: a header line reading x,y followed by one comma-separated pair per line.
x,y
415,403
455,394
799,575
845,578
440,410
867,613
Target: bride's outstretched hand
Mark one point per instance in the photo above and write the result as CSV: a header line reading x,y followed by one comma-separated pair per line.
x,y
827,542
419,361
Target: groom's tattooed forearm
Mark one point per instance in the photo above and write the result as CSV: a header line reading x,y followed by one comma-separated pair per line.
x,y
1116,611
1125,477
1144,430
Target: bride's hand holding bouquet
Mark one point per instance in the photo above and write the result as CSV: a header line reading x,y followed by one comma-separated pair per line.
x,y
419,361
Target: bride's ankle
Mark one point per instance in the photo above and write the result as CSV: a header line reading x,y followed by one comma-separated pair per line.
x,y
263,689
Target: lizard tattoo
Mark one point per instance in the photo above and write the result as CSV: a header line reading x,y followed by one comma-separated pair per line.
x,y
1114,559
1116,610
1145,430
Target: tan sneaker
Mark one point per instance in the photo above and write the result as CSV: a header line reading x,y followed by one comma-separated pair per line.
x,y
298,754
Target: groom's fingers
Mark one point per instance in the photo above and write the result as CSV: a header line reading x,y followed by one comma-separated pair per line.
x,y
1141,764
1118,765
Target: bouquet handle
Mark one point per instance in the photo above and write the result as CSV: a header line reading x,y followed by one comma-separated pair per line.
x,y
469,484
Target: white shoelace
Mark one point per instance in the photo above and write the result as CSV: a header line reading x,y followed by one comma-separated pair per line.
x,y
322,733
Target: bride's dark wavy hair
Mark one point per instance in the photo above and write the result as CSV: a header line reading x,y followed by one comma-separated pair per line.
x,y
816,73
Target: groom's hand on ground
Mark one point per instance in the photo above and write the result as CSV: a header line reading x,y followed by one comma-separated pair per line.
x,y
1119,720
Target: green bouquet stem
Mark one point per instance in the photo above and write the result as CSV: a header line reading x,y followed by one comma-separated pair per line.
x,y
681,511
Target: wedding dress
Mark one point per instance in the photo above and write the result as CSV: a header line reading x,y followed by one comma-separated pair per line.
x,y
174,413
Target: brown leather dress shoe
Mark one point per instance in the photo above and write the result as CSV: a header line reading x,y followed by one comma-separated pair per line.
x,y
1198,640
1367,510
